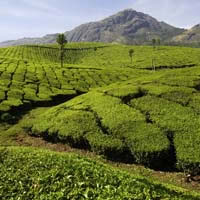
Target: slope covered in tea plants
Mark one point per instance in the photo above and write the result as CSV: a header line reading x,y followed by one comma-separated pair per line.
x,y
150,122
32,74
108,55
25,83
27,173
132,112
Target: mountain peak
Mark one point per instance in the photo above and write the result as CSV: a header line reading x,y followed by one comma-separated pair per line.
x,y
128,14
127,26
128,10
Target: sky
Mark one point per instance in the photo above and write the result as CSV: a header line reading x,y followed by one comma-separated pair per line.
x,y
35,18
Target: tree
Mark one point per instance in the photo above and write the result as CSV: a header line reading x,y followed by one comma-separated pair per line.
x,y
131,52
154,43
158,41
61,40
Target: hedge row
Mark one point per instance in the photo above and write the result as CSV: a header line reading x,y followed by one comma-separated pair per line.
x,y
182,121
105,125
37,174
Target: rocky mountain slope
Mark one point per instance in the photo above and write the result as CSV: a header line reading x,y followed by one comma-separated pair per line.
x,y
190,36
128,26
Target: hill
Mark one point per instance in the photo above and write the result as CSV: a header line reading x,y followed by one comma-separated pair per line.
x,y
141,114
47,39
128,26
190,36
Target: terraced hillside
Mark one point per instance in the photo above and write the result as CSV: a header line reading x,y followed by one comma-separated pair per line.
x,y
107,55
144,112
25,83
155,122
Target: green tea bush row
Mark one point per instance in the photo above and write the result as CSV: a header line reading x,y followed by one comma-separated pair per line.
x,y
27,81
182,121
114,127
38,174
111,56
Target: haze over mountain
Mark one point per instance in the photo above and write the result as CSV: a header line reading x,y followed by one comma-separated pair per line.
x,y
189,36
128,26
47,39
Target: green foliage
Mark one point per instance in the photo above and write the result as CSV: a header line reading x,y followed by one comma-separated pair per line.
x,y
158,41
61,39
36,83
131,52
6,117
106,145
105,125
32,174
154,42
123,91
181,95
120,107
147,143
195,102
181,121
70,126
111,110
107,55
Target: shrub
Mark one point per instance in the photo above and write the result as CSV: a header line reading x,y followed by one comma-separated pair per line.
x,y
147,143
7,117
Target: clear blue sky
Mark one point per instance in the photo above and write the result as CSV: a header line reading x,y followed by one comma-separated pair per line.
x,y
34,18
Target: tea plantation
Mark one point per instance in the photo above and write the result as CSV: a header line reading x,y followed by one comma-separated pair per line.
x,y
34,174
144,112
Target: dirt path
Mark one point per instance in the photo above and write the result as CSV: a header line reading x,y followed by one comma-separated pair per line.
x,y
178,179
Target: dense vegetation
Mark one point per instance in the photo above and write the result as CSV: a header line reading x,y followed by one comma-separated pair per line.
x,y
26,78
135,111
33,174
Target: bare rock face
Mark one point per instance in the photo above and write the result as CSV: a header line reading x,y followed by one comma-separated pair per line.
x,y
128,26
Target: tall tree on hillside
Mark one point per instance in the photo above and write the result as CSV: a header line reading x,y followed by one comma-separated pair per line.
x,y
154,43
158,41
61,40
131,52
